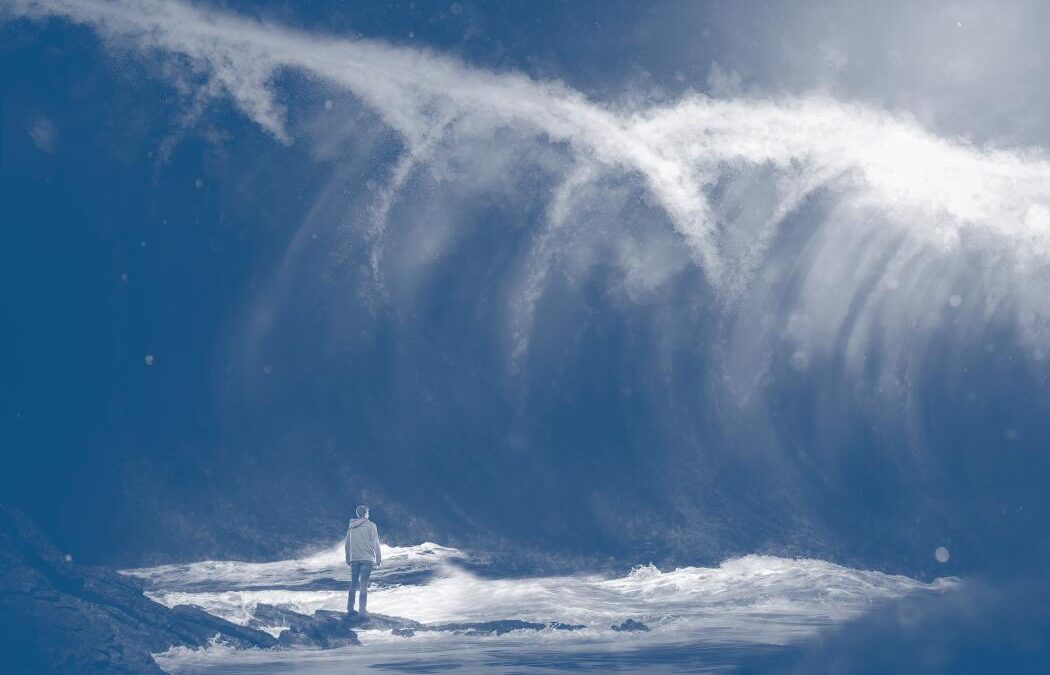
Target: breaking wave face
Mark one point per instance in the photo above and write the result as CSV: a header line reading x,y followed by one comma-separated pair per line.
x,y
749,601
793,323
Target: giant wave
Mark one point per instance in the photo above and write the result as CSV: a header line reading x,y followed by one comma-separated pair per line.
x,y
796,325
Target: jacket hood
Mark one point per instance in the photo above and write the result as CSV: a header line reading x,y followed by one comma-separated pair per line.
x,y
358,522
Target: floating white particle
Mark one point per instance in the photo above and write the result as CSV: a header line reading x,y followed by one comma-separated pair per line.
x,y
328,104
124,277
69,558
800,360
198,183
908,614
44,135
942,554
955,300
149,359
267,369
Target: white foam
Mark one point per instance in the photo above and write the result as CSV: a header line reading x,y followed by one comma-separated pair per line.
x,y
754,598
325,564
913,217
749,601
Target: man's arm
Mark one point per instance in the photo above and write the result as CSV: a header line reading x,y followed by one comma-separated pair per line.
x,y
379,552
346,546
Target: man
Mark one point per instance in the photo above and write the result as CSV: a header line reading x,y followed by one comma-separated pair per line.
x,y
362,552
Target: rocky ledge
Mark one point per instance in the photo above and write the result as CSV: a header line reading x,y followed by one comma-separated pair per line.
x,y
325,629
57,616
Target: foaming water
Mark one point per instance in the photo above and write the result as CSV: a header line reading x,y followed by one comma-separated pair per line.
x,y
318,567
726,175
744,603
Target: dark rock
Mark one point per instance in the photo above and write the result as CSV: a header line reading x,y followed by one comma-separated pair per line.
x,y
324,629
61,617
558,626
295,638
278,615
630,626
380,622
498,627
323,636
229,633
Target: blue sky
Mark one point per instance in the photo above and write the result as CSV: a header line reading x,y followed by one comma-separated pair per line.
x,y
732,276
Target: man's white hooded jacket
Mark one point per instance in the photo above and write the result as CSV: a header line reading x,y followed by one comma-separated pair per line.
x,y
362,542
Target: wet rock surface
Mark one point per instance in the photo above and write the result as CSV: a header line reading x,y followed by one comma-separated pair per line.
x,y
323,629
500,627
631,626
330,629
379,622
61,617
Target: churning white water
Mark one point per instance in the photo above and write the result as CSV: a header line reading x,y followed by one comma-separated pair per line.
x,y
746,602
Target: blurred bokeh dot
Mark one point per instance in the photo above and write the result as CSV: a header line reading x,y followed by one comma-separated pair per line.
x,y
941,554
908,614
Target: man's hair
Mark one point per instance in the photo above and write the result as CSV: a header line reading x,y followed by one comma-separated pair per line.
x,y
362,511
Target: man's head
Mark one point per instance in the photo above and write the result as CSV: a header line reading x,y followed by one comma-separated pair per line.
x,y
362,511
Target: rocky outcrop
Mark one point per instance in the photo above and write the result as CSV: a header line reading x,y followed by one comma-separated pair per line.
x,y
323,629
499,627
408,627
60,617
380,622
333,629
631,626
